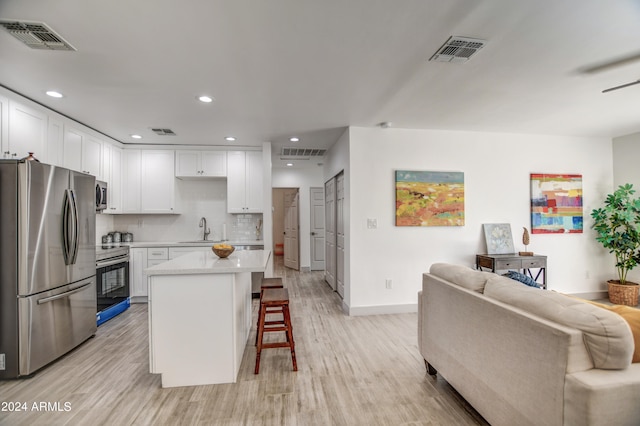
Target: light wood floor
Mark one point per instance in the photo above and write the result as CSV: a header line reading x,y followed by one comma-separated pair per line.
x,y
351,371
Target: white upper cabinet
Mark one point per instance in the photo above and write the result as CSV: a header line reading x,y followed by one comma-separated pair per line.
x,y
131,175
158,182
55,141
27,132
244,182
72,149
82,153
114,194
148,181
92,157
201,164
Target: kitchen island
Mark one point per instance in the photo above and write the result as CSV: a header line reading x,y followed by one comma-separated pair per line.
x,y
200,316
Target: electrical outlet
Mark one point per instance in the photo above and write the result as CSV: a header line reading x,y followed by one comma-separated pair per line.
x,y
372,223
388,284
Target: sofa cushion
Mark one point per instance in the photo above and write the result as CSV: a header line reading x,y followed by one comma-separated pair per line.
x,y
461,275
632,317
607,336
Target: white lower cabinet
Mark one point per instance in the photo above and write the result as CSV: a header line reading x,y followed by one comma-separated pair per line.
x,y
137,277
140,260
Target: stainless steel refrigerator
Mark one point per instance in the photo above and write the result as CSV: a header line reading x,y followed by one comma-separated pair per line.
x,y
47,264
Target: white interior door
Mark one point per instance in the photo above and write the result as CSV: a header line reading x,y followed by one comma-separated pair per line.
x,y
317,229
330,232
340,234
291,244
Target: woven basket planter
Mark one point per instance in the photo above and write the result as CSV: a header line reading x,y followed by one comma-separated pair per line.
x,y
623,294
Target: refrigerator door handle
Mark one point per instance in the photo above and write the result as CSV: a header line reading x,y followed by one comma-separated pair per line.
x,y
70,227
65,294
76,234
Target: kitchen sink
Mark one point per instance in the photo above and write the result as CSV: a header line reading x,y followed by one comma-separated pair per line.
x,y
199,241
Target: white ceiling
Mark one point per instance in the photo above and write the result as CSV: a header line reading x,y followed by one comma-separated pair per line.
x,y
309,68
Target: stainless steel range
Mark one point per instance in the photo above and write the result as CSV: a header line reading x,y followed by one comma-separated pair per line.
x,y
112,281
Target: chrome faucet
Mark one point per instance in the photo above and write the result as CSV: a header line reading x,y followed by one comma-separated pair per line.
x,y
205,231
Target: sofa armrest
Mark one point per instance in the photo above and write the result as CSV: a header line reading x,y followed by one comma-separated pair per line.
x,y
603,397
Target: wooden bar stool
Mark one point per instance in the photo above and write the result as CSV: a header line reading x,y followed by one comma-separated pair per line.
x,y
275,298
265,284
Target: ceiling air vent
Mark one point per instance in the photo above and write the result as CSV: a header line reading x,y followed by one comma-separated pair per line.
x,y
458,49
163,132
36,35
301,153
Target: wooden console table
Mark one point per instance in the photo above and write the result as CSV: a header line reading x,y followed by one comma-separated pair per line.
x,y
503,262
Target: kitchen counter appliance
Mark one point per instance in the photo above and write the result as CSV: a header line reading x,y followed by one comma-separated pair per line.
x,y
112,281
47,267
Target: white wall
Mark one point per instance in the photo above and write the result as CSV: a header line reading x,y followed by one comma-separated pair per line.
x,y
304,179
626,152
497,189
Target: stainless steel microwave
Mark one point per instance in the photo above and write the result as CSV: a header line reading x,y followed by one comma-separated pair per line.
x,y
101,195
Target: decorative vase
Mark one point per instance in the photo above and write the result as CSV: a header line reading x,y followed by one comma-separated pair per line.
x,y
623,294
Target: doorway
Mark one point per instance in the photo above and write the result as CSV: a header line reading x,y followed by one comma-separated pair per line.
x,y
286,226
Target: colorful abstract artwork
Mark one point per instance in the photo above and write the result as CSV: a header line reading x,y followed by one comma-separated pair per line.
x,y
556,203
426,198
498,237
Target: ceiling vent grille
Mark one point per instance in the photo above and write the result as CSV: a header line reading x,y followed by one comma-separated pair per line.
x,y
302,152
163,132
36,35
458,49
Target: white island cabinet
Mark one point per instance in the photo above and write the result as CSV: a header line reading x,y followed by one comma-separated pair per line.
x,y
200,316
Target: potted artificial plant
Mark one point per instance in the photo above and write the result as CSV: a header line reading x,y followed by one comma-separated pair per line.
x,y
617,225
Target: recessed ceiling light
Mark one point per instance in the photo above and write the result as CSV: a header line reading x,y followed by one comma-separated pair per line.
x,y
136,136
289,164
229,139
206,99
294,139
54,94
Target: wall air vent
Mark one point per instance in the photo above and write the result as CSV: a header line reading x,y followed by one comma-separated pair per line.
x,y
36,35
301,153
164,132
458,49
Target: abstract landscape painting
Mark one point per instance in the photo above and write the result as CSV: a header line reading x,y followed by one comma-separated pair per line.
x,y
556,203
426,198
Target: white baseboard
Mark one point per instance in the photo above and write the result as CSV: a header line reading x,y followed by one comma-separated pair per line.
x,y
379,310
595,295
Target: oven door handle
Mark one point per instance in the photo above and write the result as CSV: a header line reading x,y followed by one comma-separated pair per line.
x,y
113,261
63,295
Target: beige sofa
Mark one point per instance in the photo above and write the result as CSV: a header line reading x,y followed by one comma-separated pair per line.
x,y
525,356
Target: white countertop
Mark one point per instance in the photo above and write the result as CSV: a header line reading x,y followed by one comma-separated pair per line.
x,y
206,262
201,243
